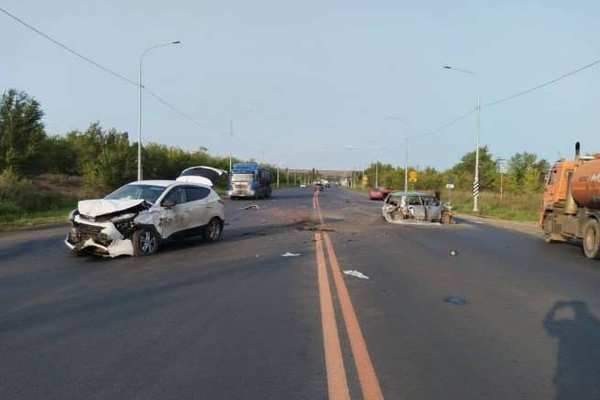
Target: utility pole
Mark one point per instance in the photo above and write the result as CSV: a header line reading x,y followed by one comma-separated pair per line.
x,y
477,132
406,165
476,178
140,175
230,134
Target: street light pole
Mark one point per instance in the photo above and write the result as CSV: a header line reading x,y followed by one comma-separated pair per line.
x,y
231,135
476,178
477,134
141,87
406,165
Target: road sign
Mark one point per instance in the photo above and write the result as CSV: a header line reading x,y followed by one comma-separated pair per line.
x,y
412,176
450,186
502,166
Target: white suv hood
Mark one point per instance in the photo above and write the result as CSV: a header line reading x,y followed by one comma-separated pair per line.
x,y
96,208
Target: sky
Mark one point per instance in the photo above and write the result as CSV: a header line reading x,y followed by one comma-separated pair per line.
x,y
316,84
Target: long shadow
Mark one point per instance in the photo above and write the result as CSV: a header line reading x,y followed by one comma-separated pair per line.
x,y
577,373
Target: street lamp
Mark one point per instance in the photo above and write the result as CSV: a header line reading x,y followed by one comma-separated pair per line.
x,y
396,118
141,86
477,133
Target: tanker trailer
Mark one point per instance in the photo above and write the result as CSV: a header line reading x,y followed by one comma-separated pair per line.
x,y
571,203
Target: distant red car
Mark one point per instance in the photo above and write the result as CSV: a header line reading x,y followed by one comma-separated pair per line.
x,y
379,193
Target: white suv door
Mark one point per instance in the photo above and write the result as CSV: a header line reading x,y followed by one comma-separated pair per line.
x,y
179,215
197,197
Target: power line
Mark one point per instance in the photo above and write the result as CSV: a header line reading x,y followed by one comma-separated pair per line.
x,y
507,98
541,85
70,50
181,113
444,126
109,71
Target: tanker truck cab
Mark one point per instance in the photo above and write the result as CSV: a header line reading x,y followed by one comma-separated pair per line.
x,y
571,203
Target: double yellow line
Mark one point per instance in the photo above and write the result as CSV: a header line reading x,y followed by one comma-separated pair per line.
x,y
337,383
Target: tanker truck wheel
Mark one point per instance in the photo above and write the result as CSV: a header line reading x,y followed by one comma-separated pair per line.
x,y
591,239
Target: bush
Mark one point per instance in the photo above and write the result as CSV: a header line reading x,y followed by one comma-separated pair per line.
x,y
9,211
23,194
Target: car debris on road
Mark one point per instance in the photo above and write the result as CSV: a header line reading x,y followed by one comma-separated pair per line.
x,y
356,274
251,207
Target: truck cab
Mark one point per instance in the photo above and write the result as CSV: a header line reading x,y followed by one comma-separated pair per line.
x,y
555,190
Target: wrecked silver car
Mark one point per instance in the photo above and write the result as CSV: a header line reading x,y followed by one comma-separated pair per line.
x,y
403,207
135,218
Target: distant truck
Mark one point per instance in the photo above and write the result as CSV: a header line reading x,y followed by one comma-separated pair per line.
x,y
249,180
571,203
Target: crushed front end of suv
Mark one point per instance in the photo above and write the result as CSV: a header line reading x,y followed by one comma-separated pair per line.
x,y
137,217
407,207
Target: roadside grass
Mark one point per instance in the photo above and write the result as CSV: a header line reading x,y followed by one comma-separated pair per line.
x,y
514,207
34,218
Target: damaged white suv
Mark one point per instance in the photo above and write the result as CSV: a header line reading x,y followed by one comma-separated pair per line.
x,y
135,218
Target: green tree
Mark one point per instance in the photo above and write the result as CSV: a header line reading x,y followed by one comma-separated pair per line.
x,y
21,131
463,172
526,172
104,157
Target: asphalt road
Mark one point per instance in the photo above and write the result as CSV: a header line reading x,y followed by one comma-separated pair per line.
x,y
236,320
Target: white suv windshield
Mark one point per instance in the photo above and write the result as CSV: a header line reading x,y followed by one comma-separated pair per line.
x,y
133,192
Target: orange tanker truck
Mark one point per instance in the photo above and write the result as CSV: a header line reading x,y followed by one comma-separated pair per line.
x,y
571,203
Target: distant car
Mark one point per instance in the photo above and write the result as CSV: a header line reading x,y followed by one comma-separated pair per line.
x,y
318,187
135,218
379,193
416,206
302,185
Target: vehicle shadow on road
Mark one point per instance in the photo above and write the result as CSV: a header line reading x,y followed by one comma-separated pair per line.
x,y
577,373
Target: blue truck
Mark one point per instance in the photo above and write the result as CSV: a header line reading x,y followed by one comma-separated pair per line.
x,y
249,180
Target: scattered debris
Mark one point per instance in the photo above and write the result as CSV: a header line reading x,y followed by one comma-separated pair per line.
x,y
356,274
319,229
250,207
288,254
455,300
453,252
257,233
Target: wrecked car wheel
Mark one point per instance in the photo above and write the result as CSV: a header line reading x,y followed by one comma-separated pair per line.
x,y
145,242
213,230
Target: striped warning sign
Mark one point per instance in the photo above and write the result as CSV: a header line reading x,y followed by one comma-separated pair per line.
x,y
475,188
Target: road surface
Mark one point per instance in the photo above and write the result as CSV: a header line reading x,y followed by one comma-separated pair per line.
x,y
236,320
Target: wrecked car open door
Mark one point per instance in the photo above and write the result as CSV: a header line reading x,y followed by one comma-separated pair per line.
x,y
203,175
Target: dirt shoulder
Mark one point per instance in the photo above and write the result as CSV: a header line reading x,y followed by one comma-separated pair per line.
x,y
530,228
